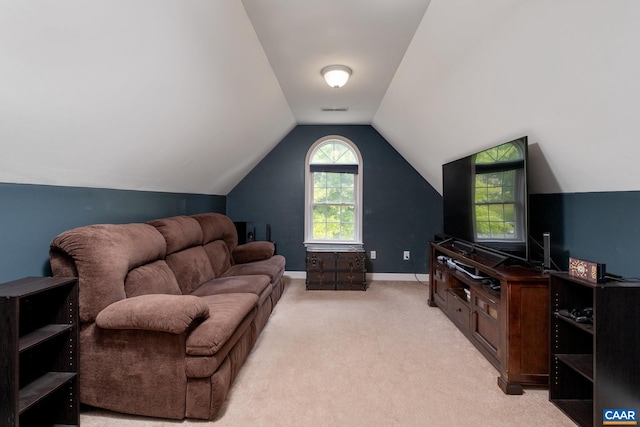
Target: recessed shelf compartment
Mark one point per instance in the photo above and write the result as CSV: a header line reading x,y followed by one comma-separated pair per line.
x,y
577,410
41,335
581,363
42,387
587,327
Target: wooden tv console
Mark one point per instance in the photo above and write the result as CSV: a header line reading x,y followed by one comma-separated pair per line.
x,y
510,326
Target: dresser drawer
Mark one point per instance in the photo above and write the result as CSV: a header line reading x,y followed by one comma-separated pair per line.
x,y
351,281
350,261
320,261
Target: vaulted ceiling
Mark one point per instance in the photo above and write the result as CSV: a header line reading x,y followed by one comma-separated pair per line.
x,y
301,37
168,95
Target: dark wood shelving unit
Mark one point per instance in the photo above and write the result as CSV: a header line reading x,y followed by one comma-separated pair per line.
x,y
39,355
593,366
509,326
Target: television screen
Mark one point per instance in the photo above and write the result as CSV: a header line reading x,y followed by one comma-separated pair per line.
x,y
486,198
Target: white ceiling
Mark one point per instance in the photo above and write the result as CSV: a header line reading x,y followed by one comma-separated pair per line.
x,y
188,96
301,37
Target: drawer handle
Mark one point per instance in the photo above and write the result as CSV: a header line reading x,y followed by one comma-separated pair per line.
x,y
459,310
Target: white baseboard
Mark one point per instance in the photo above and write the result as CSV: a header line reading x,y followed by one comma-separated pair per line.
x,y
397,277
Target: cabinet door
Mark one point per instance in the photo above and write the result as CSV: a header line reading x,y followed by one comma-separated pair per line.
x,y
485,322
459,310
439,284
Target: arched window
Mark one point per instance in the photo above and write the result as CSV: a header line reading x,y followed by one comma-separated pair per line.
x,y
498,198
333,211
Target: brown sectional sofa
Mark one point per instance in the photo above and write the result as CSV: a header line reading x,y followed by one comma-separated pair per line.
x,y
169,311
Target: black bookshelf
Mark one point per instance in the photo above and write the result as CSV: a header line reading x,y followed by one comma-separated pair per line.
x,y
594,365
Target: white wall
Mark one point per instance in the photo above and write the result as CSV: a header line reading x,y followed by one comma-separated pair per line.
x,y
566,73
160,95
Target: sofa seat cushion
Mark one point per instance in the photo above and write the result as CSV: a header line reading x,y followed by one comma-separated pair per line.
x,y
163,313
226,313
206,366
272,267
259,285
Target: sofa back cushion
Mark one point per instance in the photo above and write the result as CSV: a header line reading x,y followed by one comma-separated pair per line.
x,y
185,255
101,256
191,267
153,278
180,232
216,226
219,256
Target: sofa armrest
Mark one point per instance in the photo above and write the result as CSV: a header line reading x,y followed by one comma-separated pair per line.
x,y
156,312
252,251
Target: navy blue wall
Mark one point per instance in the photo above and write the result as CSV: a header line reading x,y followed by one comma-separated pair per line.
x,y
32,215
600,227
401,210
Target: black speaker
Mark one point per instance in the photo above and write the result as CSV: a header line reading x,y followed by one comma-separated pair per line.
x,y
246,232
546,246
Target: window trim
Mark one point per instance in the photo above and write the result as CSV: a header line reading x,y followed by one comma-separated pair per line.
x,y
315,244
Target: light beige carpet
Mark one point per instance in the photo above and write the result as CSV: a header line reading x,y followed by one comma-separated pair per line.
x,y
350,358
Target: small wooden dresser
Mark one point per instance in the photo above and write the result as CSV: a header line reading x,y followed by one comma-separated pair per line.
x,y
336,270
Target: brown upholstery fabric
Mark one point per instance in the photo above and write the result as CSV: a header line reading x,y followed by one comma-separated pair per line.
x,y
253,251
258,285
162,313
133,371
179,232
216,226
219,256
273,267
205,366
205,396
191,267
226,312
103,255
154,278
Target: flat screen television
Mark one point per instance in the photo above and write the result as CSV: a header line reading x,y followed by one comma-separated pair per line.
x,y
486,199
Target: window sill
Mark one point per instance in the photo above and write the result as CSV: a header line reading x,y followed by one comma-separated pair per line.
x,y
334,247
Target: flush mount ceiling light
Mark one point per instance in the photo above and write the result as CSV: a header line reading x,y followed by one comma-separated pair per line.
x,y
336,75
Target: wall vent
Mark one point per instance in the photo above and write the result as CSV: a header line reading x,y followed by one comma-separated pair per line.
x,y
334,109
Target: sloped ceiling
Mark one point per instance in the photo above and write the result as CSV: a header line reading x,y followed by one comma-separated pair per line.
x,y
177,96
564,73
174,96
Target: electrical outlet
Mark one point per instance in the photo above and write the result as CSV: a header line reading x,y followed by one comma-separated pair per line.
x,y
406,255
372,255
